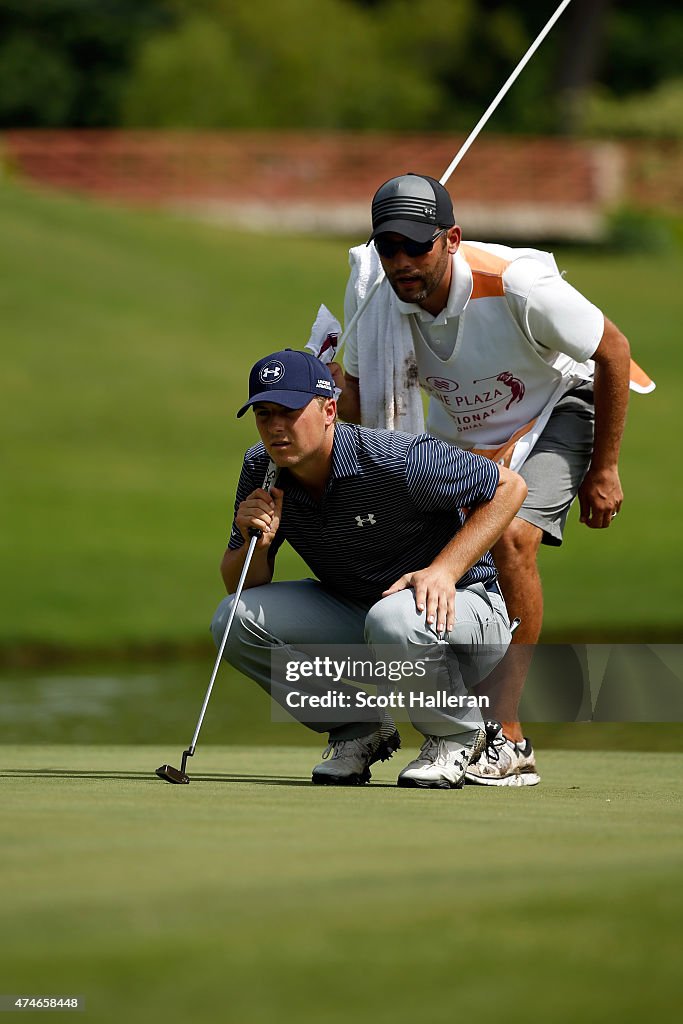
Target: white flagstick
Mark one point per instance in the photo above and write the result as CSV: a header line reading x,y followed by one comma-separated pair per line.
x,y
513,77
462,151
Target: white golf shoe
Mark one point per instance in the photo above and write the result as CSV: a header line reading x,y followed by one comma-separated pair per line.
x,y
347,762
503,762
441,764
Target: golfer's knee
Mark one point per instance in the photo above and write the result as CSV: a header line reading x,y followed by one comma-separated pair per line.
x,y
519,544
219,623
219,619
247,637
395,620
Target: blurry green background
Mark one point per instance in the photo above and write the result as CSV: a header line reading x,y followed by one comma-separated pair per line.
x,y
251,896
128,338
608,68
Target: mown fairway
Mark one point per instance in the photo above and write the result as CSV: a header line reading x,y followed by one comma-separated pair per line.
x,y
127,340
252,896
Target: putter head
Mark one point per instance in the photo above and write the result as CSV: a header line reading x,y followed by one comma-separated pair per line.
x,y
170,774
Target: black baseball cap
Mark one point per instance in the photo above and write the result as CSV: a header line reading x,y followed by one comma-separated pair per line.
x,y
290,377
413,205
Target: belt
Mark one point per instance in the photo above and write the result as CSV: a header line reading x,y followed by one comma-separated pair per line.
x,y
492,587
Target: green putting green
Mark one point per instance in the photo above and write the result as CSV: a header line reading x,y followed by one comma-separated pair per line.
x,y
251,896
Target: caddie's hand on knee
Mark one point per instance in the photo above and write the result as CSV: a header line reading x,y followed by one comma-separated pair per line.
x,y
260,511
600,497
434,589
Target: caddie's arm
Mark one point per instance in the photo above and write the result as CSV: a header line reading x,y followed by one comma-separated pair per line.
x,y
348,403
260,511
435,586
600,494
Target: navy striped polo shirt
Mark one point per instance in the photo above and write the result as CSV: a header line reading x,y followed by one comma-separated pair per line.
x,y
392,503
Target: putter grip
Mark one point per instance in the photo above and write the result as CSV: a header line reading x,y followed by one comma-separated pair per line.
x,y
268,481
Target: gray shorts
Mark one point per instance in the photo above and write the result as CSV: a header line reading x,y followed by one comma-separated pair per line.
x,y
558,463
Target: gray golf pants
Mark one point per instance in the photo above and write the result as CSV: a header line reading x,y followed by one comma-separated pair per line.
x,y
295,616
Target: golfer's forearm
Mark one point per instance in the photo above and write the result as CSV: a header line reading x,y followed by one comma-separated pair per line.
x,y
260,570
484,525
348,403
612,366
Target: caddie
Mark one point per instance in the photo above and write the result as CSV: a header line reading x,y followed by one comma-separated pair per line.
x,y
518,366
378,517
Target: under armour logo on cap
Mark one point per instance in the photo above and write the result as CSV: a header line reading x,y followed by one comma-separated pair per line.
x,y
290,378
412,205
272,371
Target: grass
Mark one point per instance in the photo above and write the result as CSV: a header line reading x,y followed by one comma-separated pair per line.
x,y
131,339
128,340
252,896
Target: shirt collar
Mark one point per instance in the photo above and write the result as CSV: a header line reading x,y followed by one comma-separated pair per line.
x,y
344,453
458,295
344,463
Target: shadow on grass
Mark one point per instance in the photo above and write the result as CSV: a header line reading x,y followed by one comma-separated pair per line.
x,y
258,780
65,773
59,773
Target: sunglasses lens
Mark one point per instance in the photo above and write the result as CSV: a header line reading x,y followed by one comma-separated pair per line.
x,y
388,249
417,248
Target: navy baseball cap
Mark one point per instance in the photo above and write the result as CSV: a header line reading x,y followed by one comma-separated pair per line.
x,y
413,205
290,378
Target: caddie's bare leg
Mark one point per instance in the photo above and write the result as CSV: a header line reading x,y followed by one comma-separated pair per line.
x,y
515,557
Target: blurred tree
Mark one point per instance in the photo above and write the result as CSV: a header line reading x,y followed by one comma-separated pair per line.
x,y
656,114
643,45
191,76
580,55
306,64
37,86
639,91
63,62
356,64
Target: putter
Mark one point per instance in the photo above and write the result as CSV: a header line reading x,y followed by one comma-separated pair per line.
x,y
178,775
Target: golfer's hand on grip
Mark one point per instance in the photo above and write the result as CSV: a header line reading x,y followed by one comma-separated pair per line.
x,y
260,511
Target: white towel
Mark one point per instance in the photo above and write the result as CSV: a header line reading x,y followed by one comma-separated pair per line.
x,y
390,390
324,338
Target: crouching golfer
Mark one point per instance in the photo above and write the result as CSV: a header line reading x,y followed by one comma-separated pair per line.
x,y
378,517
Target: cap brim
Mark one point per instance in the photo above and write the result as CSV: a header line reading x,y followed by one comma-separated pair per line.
x,y
290,399
416,230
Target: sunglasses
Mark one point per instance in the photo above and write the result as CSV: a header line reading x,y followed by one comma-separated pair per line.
x,y
388,249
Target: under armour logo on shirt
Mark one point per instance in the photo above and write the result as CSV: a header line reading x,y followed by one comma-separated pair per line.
x,y
369,518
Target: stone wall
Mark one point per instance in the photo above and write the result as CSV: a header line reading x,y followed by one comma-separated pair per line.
x,y
506,186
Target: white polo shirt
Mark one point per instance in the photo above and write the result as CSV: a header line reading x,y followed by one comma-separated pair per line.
x,y
553,316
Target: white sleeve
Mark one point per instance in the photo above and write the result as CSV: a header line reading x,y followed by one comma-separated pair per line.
x,y
351,346
556,316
